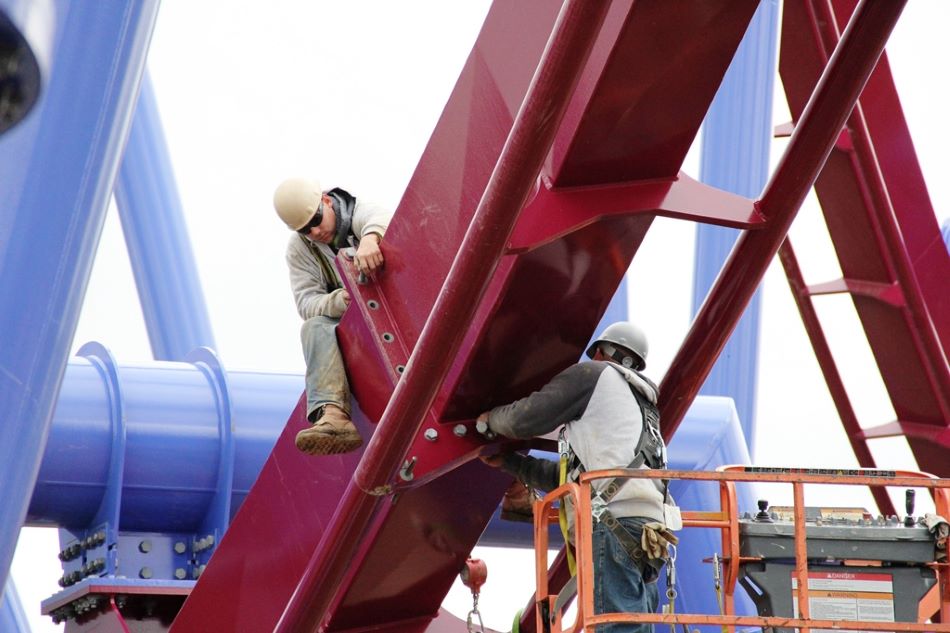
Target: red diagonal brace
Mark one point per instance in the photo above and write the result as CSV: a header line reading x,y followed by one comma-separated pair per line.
x,y
513,178
814,136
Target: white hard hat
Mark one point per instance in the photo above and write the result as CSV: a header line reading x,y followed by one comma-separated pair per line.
x,y
297,200
628,336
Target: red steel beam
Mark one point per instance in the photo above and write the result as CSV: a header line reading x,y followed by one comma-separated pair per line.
x,y
512,180
828,367
811,143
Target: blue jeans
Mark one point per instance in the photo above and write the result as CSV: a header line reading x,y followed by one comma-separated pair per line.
x,y
326,375
618,581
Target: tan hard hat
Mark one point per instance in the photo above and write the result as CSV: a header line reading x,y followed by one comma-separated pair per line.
x,y
296,200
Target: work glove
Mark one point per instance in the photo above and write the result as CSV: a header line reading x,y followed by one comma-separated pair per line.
x,y
337,301
655,538
939,527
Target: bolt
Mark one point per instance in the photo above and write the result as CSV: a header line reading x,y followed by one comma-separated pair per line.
x,y
145,572
482,427
180,547
432,434
180,573
145,546
405,473
460,430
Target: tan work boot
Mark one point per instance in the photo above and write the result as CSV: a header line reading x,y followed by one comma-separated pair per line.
x,y
332,434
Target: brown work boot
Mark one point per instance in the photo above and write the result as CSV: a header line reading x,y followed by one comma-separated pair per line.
x,y
518,503
332,434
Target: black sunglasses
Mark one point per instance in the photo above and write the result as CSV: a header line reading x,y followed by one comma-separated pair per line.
x,y
314,221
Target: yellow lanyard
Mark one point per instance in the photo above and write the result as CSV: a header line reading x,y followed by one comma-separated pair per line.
x,y
562,517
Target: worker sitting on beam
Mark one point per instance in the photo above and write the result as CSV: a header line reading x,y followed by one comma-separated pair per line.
x,y
325,222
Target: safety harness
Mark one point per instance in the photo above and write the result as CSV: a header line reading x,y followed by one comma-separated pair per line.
x,y
650,451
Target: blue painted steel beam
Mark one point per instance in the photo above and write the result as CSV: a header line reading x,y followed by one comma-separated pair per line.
x,y
172,428
12,617
737,134
172,422
173,418
57,171
156,236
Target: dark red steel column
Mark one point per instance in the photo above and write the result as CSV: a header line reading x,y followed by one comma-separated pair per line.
x,y
814,136
829,369
514,176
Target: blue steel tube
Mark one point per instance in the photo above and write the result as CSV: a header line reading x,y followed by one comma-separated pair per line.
x,y
12,617
172,443
57,170
737,135
153,223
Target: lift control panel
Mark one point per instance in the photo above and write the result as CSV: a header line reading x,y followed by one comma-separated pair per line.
x,y
860,567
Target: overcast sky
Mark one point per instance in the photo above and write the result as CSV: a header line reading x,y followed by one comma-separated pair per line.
x,y
252,92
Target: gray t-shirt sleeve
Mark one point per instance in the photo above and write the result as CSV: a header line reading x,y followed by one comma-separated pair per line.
x,y
563,399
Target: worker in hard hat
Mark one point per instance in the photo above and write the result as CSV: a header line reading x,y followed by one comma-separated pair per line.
x,y
607,415
324,222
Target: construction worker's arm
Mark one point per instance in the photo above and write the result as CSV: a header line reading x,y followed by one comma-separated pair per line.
x,y
563,399
532,472
308,281
370,222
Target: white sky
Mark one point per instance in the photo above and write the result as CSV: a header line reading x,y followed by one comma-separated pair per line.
x,y
252,92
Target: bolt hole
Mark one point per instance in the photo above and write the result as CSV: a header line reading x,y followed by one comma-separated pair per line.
x,y
372,304
400,369
389,338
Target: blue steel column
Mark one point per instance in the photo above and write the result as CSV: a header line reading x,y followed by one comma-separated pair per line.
x,y
57,171
157,239
12,618
735,157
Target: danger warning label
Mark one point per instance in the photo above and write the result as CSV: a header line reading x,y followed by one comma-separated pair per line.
x,y
847,596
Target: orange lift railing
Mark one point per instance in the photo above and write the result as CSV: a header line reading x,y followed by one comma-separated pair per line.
x,y
550,608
